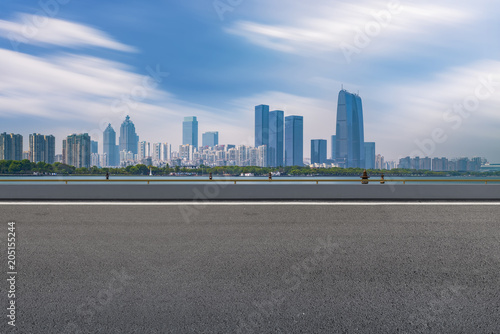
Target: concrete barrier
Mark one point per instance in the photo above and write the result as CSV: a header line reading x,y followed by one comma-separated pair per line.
x,y
225,191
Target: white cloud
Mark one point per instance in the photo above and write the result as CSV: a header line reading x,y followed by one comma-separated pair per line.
x,y
38,30
323,28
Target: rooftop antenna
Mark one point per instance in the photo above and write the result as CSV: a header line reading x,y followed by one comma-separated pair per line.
x,y
342,85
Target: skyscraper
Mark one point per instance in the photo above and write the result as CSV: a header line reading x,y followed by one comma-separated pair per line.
x,y
276,136
210,139
94,147
369,155
261,125
11,147
294,141
350,150
334,147
190,131
42,148
318,151
109,148
76,150
129,139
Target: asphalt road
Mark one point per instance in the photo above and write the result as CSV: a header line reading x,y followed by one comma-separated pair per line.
x,y
254,269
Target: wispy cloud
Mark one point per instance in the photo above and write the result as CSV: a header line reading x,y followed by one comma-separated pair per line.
x,y
326,26
33,29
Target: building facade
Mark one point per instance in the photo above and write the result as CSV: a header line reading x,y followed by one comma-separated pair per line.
x,y
210,139
129,139
276,138
190,131
318,151
110,151
294,141
370,155
42,148
77,150
350,149
11,146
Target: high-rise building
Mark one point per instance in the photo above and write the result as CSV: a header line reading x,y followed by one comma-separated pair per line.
x,y
94,147
350,150
109,148
11,147
318,151
210,139
190,131
76,150
334,147
380,163
42,148
261,125
129,139
369,155
294,141
144,150
276,138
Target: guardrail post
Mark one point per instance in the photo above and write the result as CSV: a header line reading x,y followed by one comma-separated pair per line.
x,y
210,176
270,177
364,177
382,181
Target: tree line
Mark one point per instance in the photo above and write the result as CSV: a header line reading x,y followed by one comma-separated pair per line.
x,y
25,167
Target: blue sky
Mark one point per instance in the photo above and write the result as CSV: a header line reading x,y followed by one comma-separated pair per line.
x,y
428,73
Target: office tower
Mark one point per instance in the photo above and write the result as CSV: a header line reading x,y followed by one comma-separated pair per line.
x,y
369,155
334,147
94,147
11,147
276,137
109,148
318,151
76,150
190,131
166,152
350,151
42,148
294,141
210,139
261,125
129,140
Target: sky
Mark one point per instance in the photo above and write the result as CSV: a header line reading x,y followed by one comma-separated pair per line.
x,y
428,72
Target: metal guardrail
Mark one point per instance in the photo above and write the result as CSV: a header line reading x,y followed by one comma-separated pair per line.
x,y
485,181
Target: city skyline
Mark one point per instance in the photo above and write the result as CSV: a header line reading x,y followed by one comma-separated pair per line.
x,y
412,85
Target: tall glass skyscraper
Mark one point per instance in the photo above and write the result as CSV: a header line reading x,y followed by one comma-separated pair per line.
x,y
261,125
294,141
190,131
276,137
109,147
334,147
129,140
350,133
210,139
370,155
318,151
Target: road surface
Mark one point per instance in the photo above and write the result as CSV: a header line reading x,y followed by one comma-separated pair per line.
x,y
256,268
